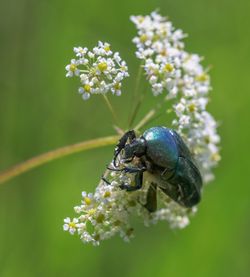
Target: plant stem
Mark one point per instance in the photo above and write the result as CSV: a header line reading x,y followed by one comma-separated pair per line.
x,y
55,154
145,119
137,83
111,109
149,116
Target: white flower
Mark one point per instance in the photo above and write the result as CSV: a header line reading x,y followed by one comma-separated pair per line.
x,y
100,70
70,226
80,52
72,68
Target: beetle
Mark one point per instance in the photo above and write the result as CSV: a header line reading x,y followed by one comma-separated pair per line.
x,y
161,155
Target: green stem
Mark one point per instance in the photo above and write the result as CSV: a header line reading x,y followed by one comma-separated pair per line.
x,y
111,109
137,83
55,154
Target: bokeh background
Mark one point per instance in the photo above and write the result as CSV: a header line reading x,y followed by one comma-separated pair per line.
x,y
41,110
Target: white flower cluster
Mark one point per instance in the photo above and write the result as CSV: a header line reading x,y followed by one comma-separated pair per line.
x,y
99,70
169,67
110,209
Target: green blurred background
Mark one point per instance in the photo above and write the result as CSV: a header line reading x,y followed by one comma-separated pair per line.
x,y
41,110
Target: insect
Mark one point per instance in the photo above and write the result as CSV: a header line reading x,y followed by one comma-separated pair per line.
x,y
161,154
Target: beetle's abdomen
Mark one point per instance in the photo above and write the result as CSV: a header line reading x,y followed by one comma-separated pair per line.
x,y
161,147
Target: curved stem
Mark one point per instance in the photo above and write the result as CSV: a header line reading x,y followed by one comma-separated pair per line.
x,y
55,154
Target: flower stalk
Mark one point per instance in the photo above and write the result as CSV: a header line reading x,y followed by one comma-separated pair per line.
x,y
25,166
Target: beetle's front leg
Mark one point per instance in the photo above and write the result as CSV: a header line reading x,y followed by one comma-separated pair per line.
x,y
122,142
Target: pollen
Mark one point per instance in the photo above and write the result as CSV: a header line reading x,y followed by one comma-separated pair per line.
x,y
141,19
143,38
192,108
117,86
107,48
87,88
72,67
168,67
202,78
102,66
107,194
91,212
216,157
72,225
87,200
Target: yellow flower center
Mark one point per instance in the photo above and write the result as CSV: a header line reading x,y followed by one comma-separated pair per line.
x,y
91,211
202,78
73,67
168,67
87,200
117,86
141,19
143,38
216,157
192,108
102,66
72,225
87,88
107,48
107,194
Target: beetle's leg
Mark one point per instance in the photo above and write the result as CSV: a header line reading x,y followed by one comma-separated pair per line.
x,y
105,180
122,142
151,202
138,182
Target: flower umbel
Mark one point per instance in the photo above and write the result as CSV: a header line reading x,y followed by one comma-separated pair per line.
x,y
109,211
99,70
170,70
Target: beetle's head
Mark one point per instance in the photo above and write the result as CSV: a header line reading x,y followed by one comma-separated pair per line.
x,y
134,149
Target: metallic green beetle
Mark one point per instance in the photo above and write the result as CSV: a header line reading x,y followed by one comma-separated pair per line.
x,y
166,160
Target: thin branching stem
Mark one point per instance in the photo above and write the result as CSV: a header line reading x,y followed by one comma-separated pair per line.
x,y
111,109
135,91
145,119
55,154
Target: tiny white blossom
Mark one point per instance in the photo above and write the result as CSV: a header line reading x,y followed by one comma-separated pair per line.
x,y
70,226
72,68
